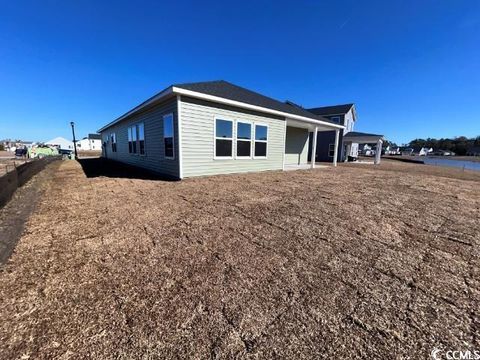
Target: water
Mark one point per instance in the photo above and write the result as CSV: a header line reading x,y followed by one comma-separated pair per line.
x,y
467,165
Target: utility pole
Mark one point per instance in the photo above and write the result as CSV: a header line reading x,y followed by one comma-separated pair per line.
x,y
72,124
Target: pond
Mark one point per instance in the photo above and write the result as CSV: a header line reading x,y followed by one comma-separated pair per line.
x,y
467,165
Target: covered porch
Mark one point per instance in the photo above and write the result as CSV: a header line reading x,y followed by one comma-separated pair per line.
x,y
358,138
297,135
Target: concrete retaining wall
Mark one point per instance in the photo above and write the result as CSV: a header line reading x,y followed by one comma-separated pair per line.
x,y
19,176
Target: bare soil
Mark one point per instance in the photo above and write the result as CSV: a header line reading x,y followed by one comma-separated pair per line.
x,y
354,261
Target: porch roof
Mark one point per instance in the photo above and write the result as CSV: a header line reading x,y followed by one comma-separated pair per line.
x,y
362,138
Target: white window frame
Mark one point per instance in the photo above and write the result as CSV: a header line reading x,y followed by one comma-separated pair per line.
x,y
331,146
173,136
113,139
215,157
137,127
250,141
264,141
335,117
132,126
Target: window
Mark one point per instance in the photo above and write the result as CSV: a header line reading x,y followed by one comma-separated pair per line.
x,y
261,139
136,133
244,140
335,119
223,138
168,139
113,140
141,138
132,139
331,150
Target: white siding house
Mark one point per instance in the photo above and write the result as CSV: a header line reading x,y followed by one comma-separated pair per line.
x,y
92,142
212,128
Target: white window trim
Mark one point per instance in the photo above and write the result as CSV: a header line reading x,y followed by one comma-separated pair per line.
x,y
333,149
264,141
250,141
336,117
113,136
137,141
144,139
173,135
215,157
128,131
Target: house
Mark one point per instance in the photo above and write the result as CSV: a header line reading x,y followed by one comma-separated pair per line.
x,y
425,151
349,140
12,145
92,142
61,143
215,127
473,151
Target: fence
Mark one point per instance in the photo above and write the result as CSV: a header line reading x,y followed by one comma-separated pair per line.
x,y
18,175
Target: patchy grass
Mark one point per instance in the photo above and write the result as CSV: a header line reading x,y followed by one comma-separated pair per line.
x,y
355,261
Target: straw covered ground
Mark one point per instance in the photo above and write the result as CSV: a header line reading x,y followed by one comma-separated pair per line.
x,y
357,261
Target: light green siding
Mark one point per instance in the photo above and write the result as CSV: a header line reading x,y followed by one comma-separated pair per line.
x,y
296,147
197,126
154,158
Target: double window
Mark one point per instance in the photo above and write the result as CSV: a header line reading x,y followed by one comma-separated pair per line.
x,y
136,139
113,140
250,139
331,150
168,137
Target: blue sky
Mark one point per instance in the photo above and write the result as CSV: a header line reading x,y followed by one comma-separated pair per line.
x,y
411,67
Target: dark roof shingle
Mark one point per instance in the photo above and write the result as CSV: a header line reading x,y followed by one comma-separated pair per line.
x,y
360,134
230,91
331,110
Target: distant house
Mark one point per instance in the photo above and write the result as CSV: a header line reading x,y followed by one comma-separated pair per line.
x,y
12,145
214,127
425,151
60,143
92,142
473,151
349,140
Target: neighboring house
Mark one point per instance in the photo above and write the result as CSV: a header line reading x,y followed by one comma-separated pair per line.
x,y
443,153
92,142
340,114
12,145
61,143
425,151
212,128
473,151
392,150
349,140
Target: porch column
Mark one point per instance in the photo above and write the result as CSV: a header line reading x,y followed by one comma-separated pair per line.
x,y
349,150
378,153
335,149
314,147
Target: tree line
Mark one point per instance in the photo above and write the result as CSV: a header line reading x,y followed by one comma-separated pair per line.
x,y
459,145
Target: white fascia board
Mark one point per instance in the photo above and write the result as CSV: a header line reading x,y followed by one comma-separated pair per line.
x,y
164,93
243,105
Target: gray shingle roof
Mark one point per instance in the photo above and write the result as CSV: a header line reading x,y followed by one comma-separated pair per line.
x,y
331,110
360,134
94,136
230,91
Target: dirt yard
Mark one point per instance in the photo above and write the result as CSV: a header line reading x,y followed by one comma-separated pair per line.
x,y
357,261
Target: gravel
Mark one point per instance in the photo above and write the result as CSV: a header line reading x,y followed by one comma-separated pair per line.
x,y
355,261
